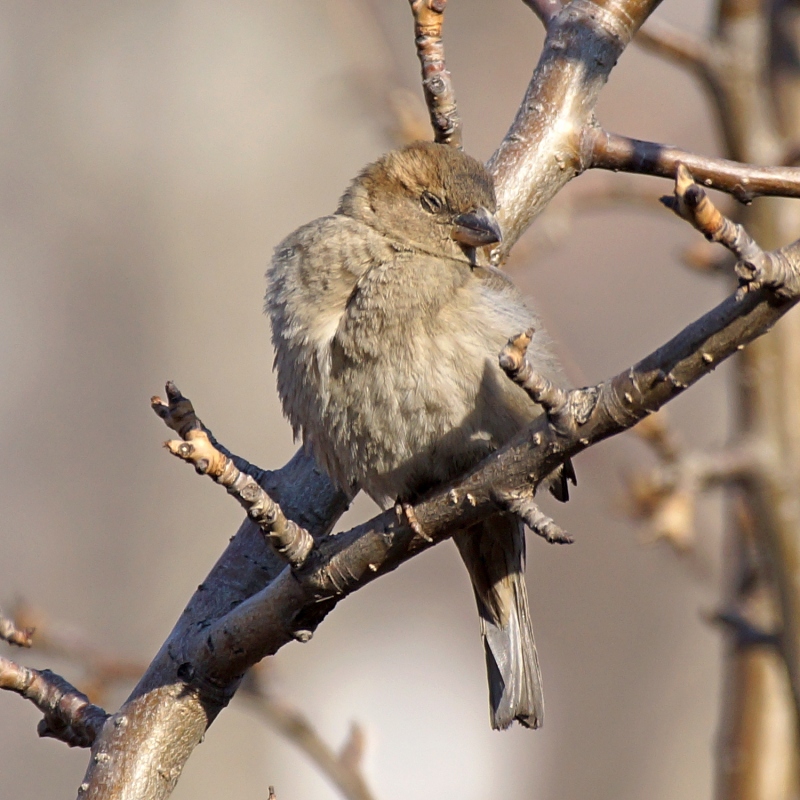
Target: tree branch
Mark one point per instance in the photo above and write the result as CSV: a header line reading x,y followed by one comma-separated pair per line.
x,y
68,714
679,46
666,497
436,80
344,563
546,10
291,541
101,668
342,769
745,182
9,632
243,611
542,151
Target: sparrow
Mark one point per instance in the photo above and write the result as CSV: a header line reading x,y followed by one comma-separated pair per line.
x,y
387,333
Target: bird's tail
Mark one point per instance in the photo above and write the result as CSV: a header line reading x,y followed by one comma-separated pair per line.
x,y
494,552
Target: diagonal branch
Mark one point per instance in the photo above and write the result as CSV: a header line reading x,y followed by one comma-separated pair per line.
x,y
342,769
346,562
68,714
677,45
290,540
756,267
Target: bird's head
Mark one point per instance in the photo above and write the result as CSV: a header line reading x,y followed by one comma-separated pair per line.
x,y
430,196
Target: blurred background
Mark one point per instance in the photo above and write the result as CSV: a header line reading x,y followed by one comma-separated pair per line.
x,y
152,155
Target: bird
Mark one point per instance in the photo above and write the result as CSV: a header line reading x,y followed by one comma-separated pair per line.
x,y
387,331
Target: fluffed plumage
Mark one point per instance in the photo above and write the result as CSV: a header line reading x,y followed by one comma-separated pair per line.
x,y
387,335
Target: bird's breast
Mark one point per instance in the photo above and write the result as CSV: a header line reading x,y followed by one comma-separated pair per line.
x,y
389,367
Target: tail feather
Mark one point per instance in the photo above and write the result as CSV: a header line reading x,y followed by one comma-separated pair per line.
x,y
494,553
558,481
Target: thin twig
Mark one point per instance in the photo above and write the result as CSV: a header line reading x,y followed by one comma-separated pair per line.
x,y
655,431
690,202
343,769
179,415
667,496
290,540
603,150
102,668
756,267
522,505
436,81
550,397
68,714
677,45
9,632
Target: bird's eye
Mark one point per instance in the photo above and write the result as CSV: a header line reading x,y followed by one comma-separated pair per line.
x,y
431,203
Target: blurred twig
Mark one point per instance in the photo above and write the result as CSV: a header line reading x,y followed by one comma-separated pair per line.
x,y
68,714
342,769
9,632
679,46
375,72
666,497
104,669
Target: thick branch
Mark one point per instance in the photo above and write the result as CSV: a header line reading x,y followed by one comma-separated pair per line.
x,y
168,712
541,151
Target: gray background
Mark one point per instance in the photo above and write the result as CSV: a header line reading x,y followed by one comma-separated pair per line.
x,y
152,155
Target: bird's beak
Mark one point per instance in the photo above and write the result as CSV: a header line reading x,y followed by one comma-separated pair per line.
x,y
477,228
